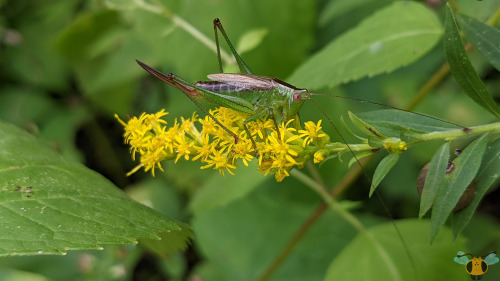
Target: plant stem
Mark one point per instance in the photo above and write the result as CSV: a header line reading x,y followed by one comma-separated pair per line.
x,y
298,174
350,218
454,134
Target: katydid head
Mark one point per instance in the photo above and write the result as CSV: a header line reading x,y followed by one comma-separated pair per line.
x,y
295,101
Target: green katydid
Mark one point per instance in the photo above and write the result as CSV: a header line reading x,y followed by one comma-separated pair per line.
x,y
255,95
247,93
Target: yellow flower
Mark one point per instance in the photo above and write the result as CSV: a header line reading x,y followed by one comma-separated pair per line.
x,y
260,127
205,140
151,159
318,157
311,133
243,149
205,149
183,147
395,145
219,161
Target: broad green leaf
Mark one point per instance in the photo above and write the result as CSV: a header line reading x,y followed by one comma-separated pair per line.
x,y
220,191
393,37
392,122
434,176
486,177
363,260
462,69
49,205
454,183
485,38
242,238
383,169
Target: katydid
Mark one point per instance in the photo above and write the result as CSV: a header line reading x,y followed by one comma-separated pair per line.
x,y
245,92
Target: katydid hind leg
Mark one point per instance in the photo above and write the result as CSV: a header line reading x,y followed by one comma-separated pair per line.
x,y
190,90
241,64
218,47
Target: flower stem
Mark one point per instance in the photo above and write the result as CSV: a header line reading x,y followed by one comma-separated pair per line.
x,y
454,134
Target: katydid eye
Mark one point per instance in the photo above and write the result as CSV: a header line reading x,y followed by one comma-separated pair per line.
x,y
297,97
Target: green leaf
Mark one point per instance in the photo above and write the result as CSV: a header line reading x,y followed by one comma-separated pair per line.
x,y
363,260
393,37
435,174
334,9
487,176
365,127
383,169
454,183
17,275
462,69
49,205
485,38
392,122
242,238
220,191
250,40
359,156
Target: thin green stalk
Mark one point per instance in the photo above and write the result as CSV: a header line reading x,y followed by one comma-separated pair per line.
x,y
346,181
298,174
351,219
454,134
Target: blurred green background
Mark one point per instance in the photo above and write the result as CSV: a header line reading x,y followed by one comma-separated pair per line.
x,y
67,66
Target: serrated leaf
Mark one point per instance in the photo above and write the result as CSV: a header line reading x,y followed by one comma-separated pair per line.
x,y
49,205
383,169
461,67
487,176
393,37
453,185
435,174
391,262
485,38
365,127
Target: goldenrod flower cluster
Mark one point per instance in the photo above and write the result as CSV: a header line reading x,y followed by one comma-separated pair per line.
x,y
201,139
